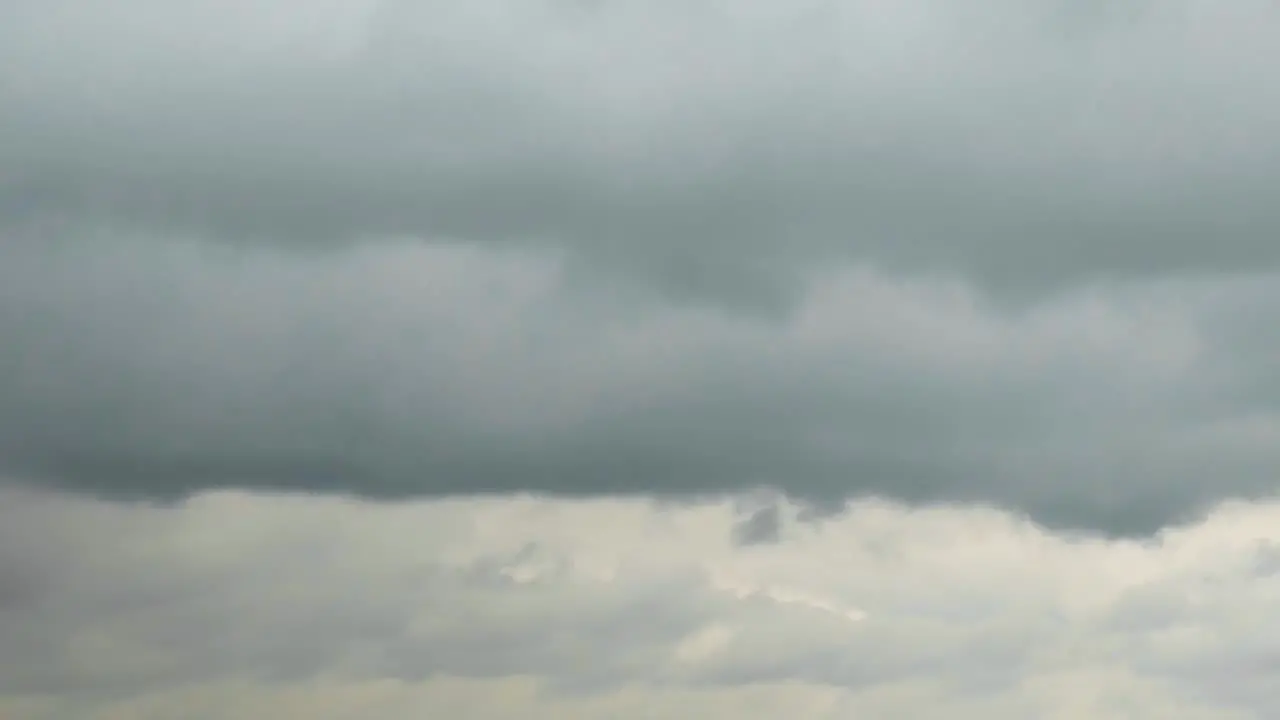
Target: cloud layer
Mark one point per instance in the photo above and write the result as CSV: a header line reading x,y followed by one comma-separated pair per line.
x,y
159,367
708,146
1010,254
639,358
235,605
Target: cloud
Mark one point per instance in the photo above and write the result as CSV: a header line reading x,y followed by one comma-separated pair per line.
x,y
762,525
619,358
713,148
1012,254
400,369
233,604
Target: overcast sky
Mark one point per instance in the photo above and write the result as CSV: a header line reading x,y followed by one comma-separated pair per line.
x,y
638,358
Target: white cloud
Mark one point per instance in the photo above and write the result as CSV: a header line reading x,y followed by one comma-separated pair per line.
x,y
234,604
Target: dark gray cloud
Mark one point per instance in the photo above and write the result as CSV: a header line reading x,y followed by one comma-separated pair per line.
x,y
421,248
761,526
156,368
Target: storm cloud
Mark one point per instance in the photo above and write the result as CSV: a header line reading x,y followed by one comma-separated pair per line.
x,y
159,368
1007,253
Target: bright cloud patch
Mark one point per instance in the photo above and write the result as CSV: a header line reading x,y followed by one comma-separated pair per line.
x,y
234,605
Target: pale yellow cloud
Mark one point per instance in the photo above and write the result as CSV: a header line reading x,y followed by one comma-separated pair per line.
x,y
233,604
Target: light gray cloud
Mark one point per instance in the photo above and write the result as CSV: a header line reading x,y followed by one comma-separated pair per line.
x,y
712,147
614,608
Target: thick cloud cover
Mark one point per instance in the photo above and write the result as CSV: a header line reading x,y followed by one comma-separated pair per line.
x,y
710,145
639,358
1007,253
158,367
233,605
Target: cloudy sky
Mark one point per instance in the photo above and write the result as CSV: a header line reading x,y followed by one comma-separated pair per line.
x,y
639,359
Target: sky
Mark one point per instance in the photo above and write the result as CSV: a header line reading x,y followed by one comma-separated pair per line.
x,y
639,359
